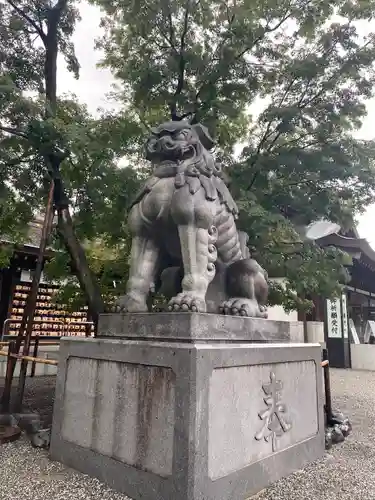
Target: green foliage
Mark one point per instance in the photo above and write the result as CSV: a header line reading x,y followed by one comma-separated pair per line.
x,y
25,134
289,80
286,79
109,263
35,126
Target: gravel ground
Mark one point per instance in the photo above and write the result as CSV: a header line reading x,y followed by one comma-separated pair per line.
x,y
346,472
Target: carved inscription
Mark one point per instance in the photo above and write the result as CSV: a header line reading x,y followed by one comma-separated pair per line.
x,y
274,421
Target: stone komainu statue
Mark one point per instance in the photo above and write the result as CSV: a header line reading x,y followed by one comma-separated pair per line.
x,y
185,240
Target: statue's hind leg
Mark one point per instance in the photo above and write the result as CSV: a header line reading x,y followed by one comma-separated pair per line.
x,y
247,288
245,282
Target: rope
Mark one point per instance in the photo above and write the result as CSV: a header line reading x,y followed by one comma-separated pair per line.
x,y
43,361
40,343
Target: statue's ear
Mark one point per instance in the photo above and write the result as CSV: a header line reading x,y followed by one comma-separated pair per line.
x,y
204,136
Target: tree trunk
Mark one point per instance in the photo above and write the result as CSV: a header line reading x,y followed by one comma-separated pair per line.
x,y
65,223
53,160
78,257
50,65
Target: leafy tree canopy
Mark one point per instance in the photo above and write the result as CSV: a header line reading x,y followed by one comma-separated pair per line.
x,y
38,128
26,30
287,79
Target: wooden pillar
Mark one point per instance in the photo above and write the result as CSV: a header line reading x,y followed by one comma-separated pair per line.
x,y
5,293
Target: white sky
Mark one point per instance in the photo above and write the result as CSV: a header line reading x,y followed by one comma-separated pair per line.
x,y
95,83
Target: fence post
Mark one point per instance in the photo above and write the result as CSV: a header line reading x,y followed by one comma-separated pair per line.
x,y
35,355
327,386
5,400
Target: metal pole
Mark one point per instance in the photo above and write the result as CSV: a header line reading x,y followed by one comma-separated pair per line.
x,y
46,231
327,387
5,324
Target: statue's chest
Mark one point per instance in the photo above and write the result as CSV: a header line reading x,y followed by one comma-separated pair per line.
x,y
163,197
156,204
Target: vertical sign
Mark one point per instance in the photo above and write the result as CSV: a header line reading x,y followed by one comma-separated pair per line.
x,y
334,323
344,309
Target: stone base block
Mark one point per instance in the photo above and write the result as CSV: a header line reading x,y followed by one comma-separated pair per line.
x,y
193,327
164,420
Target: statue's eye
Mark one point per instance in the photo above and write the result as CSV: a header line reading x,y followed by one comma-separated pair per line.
x,y
180,136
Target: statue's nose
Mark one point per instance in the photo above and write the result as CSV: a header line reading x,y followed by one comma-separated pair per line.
x,y
166,142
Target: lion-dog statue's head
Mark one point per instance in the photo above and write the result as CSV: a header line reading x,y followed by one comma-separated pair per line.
x,y
178,143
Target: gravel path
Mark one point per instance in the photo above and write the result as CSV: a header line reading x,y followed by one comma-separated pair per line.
x,y
346,472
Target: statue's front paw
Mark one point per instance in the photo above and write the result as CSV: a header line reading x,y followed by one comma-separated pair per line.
x,y
243,307
187,302
130,303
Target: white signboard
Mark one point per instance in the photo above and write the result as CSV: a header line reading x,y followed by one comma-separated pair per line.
x,y
27,276
369,331
353,332
344,316
334,324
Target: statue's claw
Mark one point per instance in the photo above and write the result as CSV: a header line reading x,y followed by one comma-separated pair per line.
x,y
186,302
243,307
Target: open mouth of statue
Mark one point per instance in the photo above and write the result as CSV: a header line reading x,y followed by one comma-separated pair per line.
x,y
178,155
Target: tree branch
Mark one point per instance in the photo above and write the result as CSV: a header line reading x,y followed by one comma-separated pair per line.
x,y
227,34
39,12
265,31
22,159
28,19
288,144
143,122
50,63
182,63
230,17
171,28
13,131
267,134
169,39
60,6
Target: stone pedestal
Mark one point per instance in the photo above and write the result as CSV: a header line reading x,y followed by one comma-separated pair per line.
x,y
195,407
